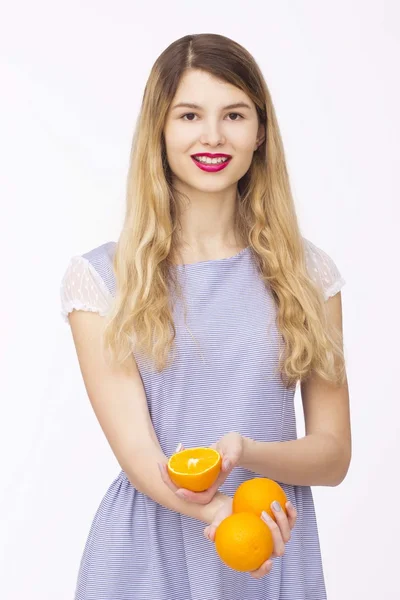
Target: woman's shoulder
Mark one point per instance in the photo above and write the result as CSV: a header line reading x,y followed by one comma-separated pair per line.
x,y
88,281
101,254
323,269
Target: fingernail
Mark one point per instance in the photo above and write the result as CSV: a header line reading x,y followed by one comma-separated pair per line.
x,y
181,495
266,516
289,504
178,448
226,464
159,467
276,506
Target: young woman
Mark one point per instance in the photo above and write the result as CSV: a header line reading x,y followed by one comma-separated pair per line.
x,y
195,328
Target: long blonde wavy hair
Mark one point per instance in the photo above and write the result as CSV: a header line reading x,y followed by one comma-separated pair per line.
x,y
141,316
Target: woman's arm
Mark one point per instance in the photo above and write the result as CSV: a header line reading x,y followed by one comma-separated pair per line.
x,y
316,459
120,405
323,456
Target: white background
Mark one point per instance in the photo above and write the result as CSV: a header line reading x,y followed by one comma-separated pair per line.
x,y
72,78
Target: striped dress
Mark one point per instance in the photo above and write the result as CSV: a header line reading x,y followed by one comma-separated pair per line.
x,y
222,380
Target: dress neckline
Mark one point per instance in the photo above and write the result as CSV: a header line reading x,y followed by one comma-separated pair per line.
x,y
214,260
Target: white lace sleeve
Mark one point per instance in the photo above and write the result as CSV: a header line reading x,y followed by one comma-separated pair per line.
x,y
82,288
323,270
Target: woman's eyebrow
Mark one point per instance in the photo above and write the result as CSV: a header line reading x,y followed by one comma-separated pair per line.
x,y
197,107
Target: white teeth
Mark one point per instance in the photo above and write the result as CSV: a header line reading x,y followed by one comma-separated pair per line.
x,y
210,161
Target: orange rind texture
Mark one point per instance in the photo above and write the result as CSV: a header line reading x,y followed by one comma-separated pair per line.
x,y
243,541
256,495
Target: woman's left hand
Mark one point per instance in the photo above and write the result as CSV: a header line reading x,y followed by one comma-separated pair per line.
x,y
230,447
280,530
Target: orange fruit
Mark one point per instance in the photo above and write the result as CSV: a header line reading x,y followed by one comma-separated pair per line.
x,y
195,469
256,495
243,541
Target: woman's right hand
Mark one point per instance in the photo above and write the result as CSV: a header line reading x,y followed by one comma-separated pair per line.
x,y
223,511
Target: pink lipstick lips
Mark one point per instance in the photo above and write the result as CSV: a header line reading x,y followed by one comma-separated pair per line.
x,y
211,168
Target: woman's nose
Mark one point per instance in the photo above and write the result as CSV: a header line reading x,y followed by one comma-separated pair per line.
x,y
212,134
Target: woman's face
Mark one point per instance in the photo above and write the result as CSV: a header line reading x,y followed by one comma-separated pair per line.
x,y
214,127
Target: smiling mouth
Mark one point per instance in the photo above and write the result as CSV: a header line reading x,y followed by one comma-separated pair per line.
x,y
207,160
211,166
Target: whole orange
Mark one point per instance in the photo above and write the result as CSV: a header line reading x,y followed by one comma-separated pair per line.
x,y
243,541
195,469
256,495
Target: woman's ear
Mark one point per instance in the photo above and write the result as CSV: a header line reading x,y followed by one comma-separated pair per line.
x,y
260,136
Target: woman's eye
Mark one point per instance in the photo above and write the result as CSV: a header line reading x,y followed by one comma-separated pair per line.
x,y
194,115
188,115
237,115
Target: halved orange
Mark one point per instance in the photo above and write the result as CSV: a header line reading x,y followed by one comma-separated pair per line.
x,y
195,469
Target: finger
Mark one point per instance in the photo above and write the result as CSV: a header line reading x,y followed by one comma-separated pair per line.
x,y
221,515
224,472
211,532
229,463
231,458
226,466
224,457
218,482
202,497
212,529
228,459
292,514
265,569
282,521
166,478
196,497
279,545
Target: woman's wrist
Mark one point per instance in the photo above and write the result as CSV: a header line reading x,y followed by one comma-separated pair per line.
x,y
208,511
245,459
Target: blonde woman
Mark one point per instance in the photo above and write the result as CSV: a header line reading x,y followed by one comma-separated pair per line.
x,y
194,329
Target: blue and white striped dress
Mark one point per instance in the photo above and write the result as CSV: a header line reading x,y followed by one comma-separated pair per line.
x,y
222,380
